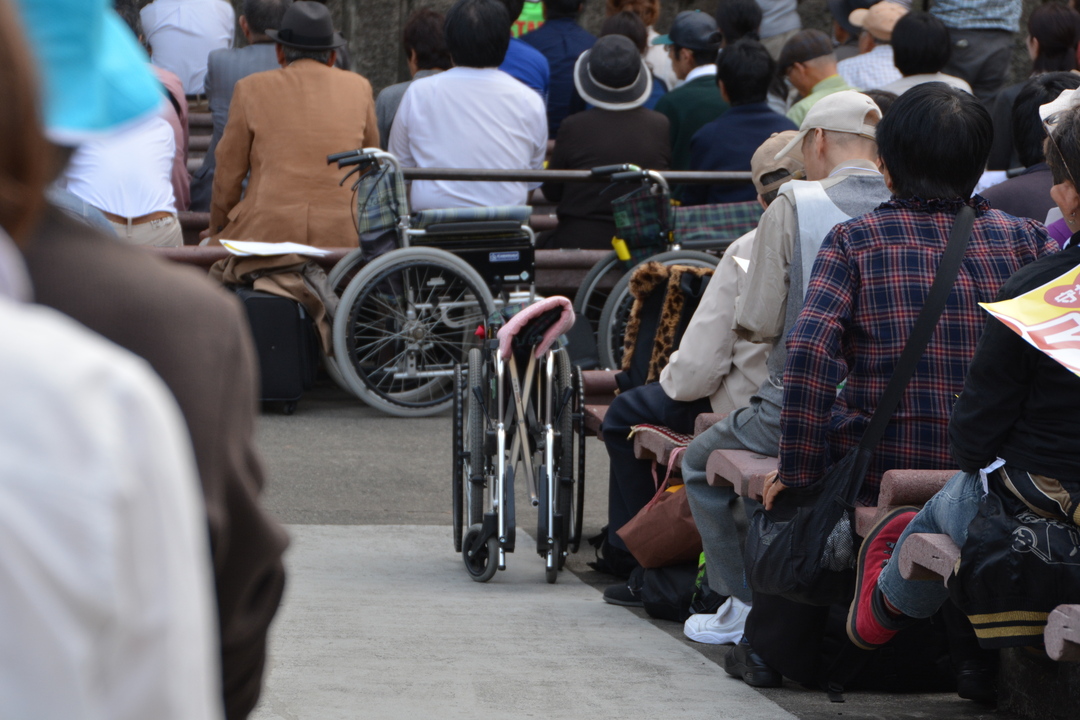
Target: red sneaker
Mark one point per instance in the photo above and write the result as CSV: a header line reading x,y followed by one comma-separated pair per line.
x,y
868,625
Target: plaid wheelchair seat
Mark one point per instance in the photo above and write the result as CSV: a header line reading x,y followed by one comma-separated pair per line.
x,y
518,213
380,200
716,223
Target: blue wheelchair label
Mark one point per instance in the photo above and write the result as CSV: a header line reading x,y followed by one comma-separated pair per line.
x,y
505,256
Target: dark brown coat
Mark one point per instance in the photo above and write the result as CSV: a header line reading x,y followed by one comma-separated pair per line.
x,y
195,336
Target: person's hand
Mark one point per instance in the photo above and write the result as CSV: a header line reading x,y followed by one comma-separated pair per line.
x,y
204,234
773,487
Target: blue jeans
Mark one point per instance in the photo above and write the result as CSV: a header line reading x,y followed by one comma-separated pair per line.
x,y
949,512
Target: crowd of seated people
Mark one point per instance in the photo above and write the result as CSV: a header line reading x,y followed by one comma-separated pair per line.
x,y
794,341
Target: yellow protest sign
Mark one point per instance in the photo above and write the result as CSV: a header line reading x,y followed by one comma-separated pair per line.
x,y
1048,317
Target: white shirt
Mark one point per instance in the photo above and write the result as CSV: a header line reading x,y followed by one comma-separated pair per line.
x,y
904,84
701,71
182,33
128,172
105,584
658,60
871,70
469,118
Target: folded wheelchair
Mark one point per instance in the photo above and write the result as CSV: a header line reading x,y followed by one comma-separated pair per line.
x,y
518,412
415,292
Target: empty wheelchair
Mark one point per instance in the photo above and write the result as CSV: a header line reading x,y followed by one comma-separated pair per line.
x,y
416,294
518,414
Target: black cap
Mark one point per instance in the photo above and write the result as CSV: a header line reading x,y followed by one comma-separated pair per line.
x,y
692,29
307,26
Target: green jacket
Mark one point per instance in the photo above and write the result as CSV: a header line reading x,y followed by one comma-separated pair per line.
x,y
828,86
687,108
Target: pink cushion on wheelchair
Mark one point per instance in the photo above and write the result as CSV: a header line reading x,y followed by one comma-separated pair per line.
x,y
514,325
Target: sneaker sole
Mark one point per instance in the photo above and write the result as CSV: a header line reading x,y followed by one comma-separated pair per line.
x,y
624,603
853,612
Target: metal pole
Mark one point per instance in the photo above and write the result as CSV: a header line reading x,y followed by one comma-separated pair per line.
x,y
478,174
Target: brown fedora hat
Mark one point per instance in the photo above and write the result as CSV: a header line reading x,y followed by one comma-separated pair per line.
x,y
307,26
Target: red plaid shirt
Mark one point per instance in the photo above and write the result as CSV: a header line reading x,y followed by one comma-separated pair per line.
x,y
869,281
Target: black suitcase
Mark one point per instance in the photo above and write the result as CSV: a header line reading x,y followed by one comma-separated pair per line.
x,y
286,343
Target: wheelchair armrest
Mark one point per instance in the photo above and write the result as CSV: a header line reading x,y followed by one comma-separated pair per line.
x,y
490,227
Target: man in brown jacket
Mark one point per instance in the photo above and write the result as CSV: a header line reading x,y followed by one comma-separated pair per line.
x,y
282,125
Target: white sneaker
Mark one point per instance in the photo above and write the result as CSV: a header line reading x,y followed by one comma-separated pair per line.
x,y
723,628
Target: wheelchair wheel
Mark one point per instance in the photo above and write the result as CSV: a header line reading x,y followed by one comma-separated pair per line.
x,y
482,564
554,563
591,295
403,323
564,475
340,274
579,431
460,465
616,312
474,426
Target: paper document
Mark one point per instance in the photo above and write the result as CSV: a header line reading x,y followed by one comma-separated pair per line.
x,y
1048,317
247,248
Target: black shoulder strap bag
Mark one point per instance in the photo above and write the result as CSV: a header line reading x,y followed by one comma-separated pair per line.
x,y
804,549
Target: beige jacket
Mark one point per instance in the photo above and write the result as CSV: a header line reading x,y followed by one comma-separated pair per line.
x,y
282,125
761,310
712,361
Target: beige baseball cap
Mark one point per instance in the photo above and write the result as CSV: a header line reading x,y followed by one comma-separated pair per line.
x,y
878,20
765,161
843,111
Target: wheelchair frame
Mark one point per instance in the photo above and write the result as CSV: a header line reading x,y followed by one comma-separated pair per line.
x,y
423,318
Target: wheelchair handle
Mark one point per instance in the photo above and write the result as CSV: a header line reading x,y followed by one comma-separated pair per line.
x,y
362,159
341,156
611,169
630,175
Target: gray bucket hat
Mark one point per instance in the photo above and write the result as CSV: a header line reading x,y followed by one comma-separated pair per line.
x,y
612,74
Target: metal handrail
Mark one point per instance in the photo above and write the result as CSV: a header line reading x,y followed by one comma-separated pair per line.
x,y
479,174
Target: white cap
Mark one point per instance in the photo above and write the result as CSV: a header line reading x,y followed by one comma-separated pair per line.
x,y
1053,111
843,111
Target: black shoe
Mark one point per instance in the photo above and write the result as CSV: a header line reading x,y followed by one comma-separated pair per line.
x,y
976,681
743,663
623,594
611,560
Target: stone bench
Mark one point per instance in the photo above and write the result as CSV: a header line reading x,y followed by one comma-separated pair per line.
x,y
899,488
741,469
1062,634
599,387
928,556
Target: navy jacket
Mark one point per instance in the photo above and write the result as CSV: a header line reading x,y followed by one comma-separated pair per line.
x,y
728,143
561,41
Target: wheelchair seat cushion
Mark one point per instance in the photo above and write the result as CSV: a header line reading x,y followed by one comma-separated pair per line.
x,y
518,213
520,322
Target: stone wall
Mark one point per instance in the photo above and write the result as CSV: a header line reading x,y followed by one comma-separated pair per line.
x,y
373,29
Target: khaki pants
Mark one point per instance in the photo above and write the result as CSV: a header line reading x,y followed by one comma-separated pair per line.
x,y
163,232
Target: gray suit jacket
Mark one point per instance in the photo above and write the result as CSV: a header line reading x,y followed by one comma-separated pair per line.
x,y
223,69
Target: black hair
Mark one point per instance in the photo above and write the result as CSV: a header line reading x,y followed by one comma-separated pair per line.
x,y
1063,152
554,9
802,47
629,25
263,15
921,44
768,179
701,57
737,19
293,54
882,98
1057,28
128,10
513,9
423,34
1027,128
934,141
746,69
477,33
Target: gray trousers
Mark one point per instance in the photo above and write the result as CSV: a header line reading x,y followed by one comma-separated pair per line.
x,y
718,514
981,57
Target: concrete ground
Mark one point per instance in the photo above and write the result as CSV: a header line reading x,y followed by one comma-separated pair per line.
x,y
380,619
